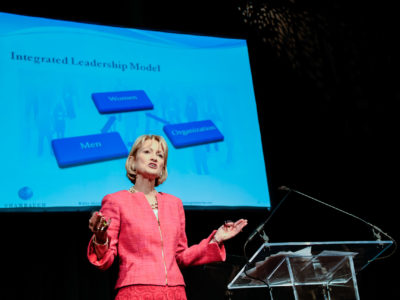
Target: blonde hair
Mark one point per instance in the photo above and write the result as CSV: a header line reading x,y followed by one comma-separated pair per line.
x,y
130,162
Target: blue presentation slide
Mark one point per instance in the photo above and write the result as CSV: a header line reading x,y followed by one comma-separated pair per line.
x,y
76,96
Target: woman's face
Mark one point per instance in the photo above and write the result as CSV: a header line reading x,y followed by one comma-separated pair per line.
x,y
149,161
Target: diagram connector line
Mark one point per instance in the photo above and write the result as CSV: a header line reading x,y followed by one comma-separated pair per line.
x,y
157,118
108,124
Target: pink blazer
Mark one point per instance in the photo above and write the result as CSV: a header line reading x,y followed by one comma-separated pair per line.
x,y
150,252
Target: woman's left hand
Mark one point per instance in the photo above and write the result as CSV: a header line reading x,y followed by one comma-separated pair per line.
x,y
229,230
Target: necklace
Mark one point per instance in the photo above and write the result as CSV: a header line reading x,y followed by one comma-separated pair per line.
x,y
153,204
132,190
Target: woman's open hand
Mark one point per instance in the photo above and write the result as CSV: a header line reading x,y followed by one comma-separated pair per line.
x,y
229,230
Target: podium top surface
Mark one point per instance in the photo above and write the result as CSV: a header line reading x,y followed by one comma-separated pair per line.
x,y
294,244
283,264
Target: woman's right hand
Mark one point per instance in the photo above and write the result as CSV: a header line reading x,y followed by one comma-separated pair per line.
x,y
99,225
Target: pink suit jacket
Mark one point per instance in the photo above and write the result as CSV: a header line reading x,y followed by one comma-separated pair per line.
x,y
150,252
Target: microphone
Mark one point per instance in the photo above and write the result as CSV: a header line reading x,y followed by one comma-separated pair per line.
x,y
258,230
283,188
261,226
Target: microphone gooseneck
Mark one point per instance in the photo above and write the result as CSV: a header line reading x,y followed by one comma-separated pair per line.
x,y
263,236
261,226
375,229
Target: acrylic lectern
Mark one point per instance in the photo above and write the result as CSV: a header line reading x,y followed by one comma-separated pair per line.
x,y
309,270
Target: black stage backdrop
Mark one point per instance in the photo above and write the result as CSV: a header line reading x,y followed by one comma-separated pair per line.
x,y
326,83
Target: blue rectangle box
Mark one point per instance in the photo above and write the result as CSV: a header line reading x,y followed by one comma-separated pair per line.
x,y
86,149
193,133
114,102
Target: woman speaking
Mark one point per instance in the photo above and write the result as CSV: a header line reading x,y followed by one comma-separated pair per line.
x,y
146,230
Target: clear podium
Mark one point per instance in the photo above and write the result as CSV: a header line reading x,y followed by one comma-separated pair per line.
x,y
309,270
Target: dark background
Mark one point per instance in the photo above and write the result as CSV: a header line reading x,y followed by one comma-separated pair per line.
x,y
326,78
